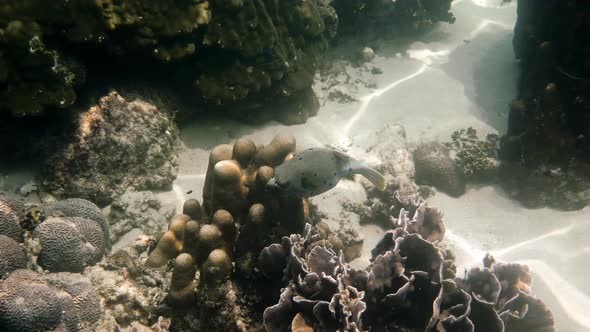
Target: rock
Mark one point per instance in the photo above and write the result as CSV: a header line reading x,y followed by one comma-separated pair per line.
x,y
368,54
141,210
118,145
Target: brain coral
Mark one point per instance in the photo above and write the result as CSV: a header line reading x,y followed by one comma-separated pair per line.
x,y
69,244
435,167
77,207
29,303
10,215
12,255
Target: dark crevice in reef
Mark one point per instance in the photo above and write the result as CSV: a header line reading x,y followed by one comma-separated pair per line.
x,y
546,149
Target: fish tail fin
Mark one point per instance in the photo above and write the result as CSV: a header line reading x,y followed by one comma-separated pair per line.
x,y
372,175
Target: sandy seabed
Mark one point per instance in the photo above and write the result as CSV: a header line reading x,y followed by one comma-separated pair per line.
x,y
457,76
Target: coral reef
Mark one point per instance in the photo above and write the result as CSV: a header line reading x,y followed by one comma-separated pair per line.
x,y
237,218
545,150
390,155
58,236
476,157
252,51
12,255
405,16
28,302
69,244
118,145
11,213
251,58
435,167
137,210
33,76
409,285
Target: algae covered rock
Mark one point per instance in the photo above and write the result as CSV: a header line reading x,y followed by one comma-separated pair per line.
x,y
33,76
118,145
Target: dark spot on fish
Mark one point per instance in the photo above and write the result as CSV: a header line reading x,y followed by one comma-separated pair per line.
x,y
315,174
350,169
189,192
325,182
306,184
334,173
300,157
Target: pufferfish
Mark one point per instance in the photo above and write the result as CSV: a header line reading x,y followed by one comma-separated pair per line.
x,y
317,170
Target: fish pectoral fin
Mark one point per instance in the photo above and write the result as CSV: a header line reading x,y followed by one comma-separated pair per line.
x,y
372,175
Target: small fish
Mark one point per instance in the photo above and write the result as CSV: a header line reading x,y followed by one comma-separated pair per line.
x,y
189,192
317,170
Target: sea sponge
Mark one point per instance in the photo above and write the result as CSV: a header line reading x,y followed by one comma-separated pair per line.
x,y
12,256
435,167
69,244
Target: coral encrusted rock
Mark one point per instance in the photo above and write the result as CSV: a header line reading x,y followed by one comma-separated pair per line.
x,y
118,145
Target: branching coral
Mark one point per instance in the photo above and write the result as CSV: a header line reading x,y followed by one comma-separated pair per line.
x,y
476,157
